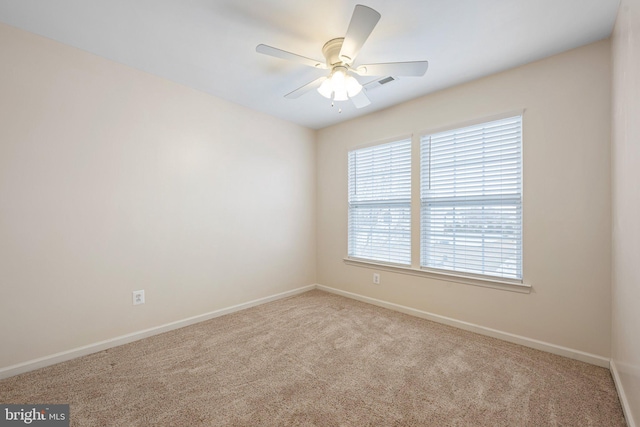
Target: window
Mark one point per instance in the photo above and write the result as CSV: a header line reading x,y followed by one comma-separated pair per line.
x,y
471,199
380,202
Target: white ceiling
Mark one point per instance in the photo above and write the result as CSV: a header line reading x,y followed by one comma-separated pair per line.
x,y
210,44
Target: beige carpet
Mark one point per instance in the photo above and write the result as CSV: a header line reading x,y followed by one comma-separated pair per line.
x,y
319,359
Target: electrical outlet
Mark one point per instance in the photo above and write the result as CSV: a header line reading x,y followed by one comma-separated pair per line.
x,y
138,297
376,278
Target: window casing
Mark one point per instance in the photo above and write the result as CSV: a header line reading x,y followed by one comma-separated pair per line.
x,y
380,203
471,199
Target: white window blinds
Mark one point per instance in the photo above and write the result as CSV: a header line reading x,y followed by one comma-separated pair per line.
x,y
380,202
471,199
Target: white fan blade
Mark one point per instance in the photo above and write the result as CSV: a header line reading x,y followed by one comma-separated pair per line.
x,y
283,54
306,88
410,69
361,99
362,23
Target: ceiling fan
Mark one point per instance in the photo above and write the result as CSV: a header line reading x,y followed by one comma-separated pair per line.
x,y
340,54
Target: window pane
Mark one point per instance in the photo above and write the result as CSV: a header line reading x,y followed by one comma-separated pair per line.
x,y
471,197
380,202
381,233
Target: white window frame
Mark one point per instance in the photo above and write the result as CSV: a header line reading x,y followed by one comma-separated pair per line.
x,y
482,252
379,196
518,286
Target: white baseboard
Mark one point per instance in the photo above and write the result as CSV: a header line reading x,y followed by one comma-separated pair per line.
x,y
135,336
505,336
626,407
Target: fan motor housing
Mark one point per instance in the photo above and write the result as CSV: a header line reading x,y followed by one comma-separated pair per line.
x,y
331,52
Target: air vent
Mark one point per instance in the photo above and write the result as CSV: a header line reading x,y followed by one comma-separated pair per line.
x,y
381,81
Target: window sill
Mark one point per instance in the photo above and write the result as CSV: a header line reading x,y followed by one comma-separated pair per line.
x,y
505,285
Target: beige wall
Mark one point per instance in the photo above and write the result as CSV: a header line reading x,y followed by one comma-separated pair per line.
x,y
625,163
566,201
113,180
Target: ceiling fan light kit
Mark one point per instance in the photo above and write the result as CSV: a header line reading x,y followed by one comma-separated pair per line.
x,y
340,54
340,86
